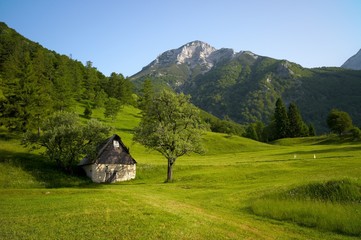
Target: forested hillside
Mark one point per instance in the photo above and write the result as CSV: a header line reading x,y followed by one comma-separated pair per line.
x,y
247,93
240,87
35,82
244,86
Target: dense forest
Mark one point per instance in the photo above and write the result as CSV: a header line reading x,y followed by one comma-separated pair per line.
x,y
34,82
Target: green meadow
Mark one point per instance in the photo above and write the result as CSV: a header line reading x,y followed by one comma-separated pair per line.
x,y
305,188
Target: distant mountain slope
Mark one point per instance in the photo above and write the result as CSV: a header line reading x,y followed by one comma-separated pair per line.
x,y
177,66
244,86
353,62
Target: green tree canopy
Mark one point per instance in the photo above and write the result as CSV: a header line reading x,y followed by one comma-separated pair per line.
x,y
339,121
171,126
66,140
112,107
146,94
120,88
251,132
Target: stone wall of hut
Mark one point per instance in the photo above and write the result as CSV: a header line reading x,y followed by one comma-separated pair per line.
x,y
110,172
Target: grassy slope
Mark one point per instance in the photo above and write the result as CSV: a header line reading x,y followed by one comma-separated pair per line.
x,y
209,199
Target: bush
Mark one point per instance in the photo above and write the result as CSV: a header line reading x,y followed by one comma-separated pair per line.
x,y
356,133
333,206
339,122
331,191
66,140
88,111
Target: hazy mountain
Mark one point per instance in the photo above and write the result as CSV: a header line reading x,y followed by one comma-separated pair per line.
x,y
353,62
244,86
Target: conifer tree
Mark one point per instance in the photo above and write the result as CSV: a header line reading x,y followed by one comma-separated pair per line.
x,y
112,107
281,120
11,106
296,124
90,81
146,94
311,130
26,98
42,101
63,92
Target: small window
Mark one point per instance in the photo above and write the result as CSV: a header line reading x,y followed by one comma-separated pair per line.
x,y
116,144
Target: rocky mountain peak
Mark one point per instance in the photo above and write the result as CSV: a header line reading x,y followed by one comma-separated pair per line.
x,y
353,62
192,54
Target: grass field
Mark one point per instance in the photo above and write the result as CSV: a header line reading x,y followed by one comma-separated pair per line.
x,y
228,193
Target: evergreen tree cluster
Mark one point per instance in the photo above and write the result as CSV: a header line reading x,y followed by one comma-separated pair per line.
x,y
35,82
286,123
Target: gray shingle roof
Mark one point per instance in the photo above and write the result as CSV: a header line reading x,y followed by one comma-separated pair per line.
x,y
112,151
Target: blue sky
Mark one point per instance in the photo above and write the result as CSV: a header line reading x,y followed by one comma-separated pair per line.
x,y
123,36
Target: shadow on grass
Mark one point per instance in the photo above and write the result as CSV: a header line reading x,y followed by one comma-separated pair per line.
x,y
6,136
332,149
45,172
337,140
126,130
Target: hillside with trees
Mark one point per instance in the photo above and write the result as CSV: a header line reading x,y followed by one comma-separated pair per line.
x,y
236,91
244,87
36,82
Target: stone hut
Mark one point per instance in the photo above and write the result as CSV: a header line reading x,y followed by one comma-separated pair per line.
x,y
112,164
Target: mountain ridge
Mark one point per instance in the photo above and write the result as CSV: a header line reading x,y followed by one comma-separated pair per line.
x,y
190,60
244,86
353,62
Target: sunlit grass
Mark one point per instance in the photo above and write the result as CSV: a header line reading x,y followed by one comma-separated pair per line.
x,y
332,206
210,197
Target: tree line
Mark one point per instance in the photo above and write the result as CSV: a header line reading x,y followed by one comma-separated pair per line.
x,y
288,123
36,82
285,123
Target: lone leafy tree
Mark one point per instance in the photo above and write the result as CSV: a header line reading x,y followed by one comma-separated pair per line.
x,y
171,126
338,121
66,140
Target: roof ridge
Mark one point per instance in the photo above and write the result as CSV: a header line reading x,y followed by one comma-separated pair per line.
x,y
106,144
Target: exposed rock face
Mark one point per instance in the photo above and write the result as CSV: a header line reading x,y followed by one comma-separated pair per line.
x,y
283,69
178,66
353,62
193,54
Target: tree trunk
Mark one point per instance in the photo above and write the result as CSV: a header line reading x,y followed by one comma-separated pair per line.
x,y
170,170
